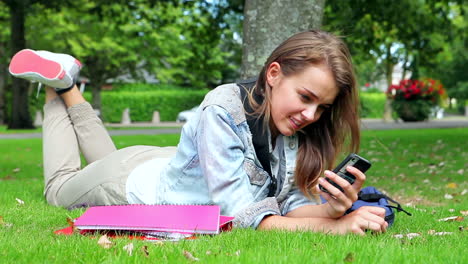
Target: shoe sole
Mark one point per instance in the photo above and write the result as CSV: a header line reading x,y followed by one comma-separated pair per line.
x,y
29,63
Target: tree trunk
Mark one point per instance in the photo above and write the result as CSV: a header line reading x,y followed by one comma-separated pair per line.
x,y
405,67
96,100
267,23
3,74
20,116
387,116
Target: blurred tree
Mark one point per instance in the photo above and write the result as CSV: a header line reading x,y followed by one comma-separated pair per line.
x,y
408,32
451,65
229,16
4,54
267,23
20,116
180,42
18,10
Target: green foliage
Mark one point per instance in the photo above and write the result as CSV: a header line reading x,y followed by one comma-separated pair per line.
x,y
173,42
142,99
382,33
142,104
452,66
169,100
140,87
372,104
460,91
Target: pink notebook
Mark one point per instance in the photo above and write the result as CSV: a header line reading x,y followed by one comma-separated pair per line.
x,y
202,219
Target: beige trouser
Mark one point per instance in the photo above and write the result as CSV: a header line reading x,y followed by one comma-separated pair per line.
x,y
103,180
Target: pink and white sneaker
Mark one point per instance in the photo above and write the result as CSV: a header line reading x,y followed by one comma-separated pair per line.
x,y
56,70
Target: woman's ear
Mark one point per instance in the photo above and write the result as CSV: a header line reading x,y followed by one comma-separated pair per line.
x,y
273,74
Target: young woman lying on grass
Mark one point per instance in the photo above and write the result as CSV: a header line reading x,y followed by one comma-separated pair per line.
x,y
299,111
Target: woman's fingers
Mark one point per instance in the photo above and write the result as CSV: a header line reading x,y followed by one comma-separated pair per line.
x,y
325,195
367,218
375,216
349,190
360,176
379,211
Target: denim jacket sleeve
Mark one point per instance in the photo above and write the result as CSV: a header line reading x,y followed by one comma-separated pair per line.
x,y
295,199
221,151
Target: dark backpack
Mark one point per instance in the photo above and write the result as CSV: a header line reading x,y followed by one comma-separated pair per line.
x,y
370,196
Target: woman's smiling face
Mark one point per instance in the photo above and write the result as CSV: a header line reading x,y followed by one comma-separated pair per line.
x,y
299,99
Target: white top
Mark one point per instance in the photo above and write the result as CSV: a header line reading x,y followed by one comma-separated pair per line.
x,y
143,181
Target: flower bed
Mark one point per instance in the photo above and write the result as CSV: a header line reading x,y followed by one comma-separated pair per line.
x,y
414,99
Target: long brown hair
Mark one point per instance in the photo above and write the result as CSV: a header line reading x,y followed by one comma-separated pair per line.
x,y
320,142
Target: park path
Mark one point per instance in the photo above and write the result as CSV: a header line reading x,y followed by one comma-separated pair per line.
x,y
173,127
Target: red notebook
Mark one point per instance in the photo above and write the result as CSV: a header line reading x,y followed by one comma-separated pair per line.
x,y
201,219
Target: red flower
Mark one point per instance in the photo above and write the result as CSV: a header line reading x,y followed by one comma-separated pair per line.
x,y
427,89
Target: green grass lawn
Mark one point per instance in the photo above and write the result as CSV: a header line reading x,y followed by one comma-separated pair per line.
x,y
422,168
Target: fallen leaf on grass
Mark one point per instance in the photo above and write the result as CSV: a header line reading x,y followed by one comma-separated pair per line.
x,y
104,242
129,249
460,171
145,251
16,170
451,219
3,223
434,233
7,178
448,196
414,164
71,224
464,192
349,257
464,213
409,235
452,185
189,256
70,221
442,233
21,202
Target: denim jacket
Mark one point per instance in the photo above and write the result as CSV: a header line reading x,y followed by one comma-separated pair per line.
x,y
215,163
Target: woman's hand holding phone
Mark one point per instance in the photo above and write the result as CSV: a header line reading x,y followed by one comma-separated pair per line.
x,y
338,201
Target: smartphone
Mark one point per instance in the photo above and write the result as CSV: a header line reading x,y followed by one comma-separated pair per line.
x,y
354,160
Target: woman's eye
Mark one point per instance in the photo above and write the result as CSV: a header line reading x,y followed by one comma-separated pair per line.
x,y
305,97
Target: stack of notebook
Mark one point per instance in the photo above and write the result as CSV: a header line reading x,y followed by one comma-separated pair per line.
x,y
160,221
